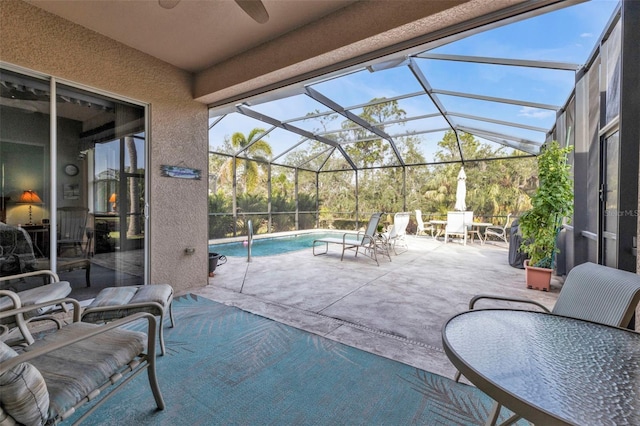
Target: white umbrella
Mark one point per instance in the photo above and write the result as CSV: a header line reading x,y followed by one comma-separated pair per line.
x,y
461,191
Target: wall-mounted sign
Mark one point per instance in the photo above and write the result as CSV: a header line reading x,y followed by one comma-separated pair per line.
x,y
180,172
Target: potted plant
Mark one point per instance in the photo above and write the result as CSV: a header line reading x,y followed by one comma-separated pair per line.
x,y
551,203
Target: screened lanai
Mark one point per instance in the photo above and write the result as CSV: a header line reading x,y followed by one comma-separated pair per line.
x,y
391,134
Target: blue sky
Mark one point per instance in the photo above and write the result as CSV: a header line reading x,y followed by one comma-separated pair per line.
x,y
566,35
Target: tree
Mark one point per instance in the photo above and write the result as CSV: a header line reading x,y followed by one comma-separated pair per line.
x,y
135,225
253,147
495,187
368,153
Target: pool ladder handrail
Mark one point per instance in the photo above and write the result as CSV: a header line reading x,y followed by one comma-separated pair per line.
x,y
249,239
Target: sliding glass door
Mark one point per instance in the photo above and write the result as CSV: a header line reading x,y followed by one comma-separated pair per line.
x,y
73,179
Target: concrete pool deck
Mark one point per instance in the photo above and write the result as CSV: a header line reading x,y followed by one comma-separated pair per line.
x,y
395,310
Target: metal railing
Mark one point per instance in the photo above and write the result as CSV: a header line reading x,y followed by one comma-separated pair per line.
x,y
249,239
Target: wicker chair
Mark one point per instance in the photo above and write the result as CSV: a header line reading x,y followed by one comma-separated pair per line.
x,y
16,251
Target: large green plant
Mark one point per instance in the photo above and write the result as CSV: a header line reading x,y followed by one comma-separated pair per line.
x,y
552,202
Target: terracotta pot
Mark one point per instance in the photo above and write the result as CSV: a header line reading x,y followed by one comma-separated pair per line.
x,y
537,278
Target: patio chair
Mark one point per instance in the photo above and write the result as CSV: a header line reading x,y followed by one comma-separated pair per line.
x,y
118,302
50,379
54,289
591,292
72,223
72,229
497,231
395,237
367,241
421,229
458,223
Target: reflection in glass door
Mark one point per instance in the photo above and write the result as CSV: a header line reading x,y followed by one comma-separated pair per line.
x,y
609,201
117,191
88,223
25,196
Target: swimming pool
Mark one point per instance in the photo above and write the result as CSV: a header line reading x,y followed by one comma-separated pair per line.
x,y
271,246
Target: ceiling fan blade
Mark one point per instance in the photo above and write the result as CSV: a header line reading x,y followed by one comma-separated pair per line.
x,y
168,4
255,9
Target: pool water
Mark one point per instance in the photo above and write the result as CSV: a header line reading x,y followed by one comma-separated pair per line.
x,y
271,246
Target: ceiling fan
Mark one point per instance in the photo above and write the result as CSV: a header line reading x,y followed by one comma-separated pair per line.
x,y
254,8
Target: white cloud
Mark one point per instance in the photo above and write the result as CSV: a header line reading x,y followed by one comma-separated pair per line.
x,y
535,113
586,35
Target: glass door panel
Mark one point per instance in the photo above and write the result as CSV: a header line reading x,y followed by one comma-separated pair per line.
x,y
25,194
98,235
609,250
99,136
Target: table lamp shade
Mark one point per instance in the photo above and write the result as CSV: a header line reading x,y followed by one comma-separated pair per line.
x,y
113,198
29,197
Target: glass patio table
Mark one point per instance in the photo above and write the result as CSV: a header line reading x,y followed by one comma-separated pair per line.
x,y
546,368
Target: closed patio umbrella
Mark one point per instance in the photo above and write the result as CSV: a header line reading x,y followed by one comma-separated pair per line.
x,y
461,191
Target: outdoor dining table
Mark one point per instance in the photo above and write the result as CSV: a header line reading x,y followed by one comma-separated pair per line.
x,y
546,368
439,226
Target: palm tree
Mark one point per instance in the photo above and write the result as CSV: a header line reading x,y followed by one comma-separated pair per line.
x,y
135,225
255,149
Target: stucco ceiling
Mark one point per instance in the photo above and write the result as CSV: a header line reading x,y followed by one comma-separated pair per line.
x,y
195,34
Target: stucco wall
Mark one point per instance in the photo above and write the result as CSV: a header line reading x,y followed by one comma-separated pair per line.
x,y
37,40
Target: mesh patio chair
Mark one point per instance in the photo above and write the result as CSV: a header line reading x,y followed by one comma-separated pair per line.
x,y
590,292
365,241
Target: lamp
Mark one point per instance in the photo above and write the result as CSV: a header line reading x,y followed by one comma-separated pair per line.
x,y
113,199
30,197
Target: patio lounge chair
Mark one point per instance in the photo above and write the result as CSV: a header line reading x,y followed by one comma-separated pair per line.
x,y
498,231
590,292
395,237
50,379
54,289
366,241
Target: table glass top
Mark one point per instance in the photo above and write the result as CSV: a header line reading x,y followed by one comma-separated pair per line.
x,y
584,373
